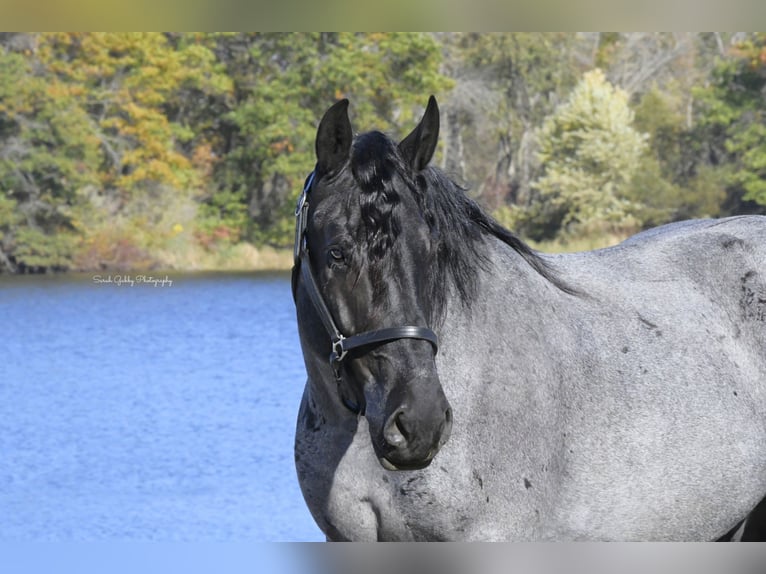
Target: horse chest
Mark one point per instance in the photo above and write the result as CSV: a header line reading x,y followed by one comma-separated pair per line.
x,y
353,498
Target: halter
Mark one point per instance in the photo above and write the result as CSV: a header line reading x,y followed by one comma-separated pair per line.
x,y
341,345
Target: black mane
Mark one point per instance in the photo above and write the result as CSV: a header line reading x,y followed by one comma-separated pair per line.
x,y
458,223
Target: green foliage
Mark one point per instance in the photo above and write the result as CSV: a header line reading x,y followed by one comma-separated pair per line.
x,y
507,84
607,46
733,119
47,152
9,221
660,116
39,250
530,68
704,194
122,138
130,150
288,83
664,188
590,152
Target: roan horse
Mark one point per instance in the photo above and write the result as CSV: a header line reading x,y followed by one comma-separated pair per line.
x,y
479,390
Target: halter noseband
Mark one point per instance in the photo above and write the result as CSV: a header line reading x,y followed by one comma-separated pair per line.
x,y
341,345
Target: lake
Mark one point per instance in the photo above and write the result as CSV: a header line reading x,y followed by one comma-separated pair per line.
x,y
150,409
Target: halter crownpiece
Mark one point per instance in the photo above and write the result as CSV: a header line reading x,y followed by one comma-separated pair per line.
x,y
341,345
301,220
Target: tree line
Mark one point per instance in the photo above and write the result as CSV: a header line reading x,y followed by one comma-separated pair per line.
x,y
136,150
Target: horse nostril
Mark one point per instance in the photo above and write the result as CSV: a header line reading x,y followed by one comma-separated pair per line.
x,y
395,431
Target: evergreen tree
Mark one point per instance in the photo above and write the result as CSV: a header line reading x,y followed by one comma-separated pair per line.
x,y
589,151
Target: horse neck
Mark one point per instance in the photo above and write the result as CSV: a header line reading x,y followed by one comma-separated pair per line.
x,y
506,285
515,317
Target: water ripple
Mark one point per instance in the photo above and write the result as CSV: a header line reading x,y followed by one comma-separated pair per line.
x,y
150,413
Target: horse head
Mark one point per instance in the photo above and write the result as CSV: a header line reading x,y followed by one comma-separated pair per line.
x,y
365,252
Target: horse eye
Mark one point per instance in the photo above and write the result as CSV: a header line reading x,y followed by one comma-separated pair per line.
x,y
335,255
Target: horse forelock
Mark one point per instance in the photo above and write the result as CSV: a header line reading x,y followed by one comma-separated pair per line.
x,y
377,168
376,164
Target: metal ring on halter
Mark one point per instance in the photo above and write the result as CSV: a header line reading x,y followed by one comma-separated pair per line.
x,y
338,352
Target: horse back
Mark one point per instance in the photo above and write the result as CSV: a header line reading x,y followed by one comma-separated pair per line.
x,y
704,281
722,260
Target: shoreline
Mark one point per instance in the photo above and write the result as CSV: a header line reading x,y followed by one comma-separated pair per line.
x,y
239,258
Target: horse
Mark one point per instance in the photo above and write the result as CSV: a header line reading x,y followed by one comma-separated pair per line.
x,y
463,386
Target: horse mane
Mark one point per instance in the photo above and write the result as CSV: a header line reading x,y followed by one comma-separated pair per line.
x,y
459,225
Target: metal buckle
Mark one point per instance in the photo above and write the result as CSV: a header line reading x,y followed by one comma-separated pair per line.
x,y
304,194
337,355
338,352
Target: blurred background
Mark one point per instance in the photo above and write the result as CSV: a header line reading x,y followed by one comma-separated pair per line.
x,y
152,373
184,151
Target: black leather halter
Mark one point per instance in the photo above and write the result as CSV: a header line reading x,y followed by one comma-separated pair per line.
x,y
341,345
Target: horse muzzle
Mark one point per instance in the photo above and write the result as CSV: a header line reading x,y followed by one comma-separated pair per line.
x,y
412,442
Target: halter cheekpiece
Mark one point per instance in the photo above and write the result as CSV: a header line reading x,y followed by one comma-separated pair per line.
x,y
341,345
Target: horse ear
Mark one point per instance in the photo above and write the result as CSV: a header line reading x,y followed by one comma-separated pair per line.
x,y
418,147
334,137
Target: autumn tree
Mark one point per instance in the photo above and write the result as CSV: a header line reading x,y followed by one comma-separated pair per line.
x,y
141,92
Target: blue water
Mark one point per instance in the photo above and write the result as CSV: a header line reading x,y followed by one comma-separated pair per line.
x,y
146,412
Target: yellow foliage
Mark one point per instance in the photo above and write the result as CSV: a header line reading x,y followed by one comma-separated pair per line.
x,y
130,76
281,146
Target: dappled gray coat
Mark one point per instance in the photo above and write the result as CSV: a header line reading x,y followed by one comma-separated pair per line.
x,y
618,394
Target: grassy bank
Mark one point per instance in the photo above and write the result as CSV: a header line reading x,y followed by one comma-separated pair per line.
x,y
125,257
237,257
